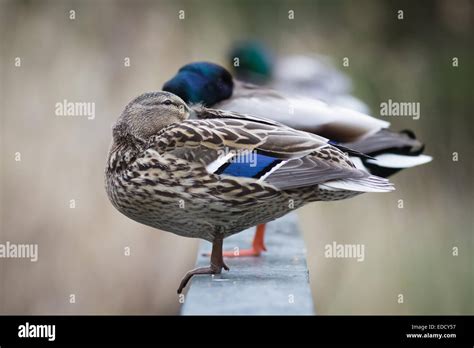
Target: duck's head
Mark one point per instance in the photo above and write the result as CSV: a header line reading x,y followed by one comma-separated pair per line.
x,y
251,62
201,82
148,113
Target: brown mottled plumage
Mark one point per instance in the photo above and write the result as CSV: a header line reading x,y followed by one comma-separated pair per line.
x,y
158,171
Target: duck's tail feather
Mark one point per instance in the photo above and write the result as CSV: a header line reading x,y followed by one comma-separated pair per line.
x,y
390,152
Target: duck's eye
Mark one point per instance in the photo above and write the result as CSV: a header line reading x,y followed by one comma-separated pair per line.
x,y
167,102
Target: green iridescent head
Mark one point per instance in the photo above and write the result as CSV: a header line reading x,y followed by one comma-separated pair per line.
x,y
251,62
201,82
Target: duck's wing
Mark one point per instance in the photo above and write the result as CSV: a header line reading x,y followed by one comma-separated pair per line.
x,y
238,133
307,114
270,153
205,113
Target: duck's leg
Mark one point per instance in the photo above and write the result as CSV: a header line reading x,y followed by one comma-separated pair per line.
x,y
258,245
216,266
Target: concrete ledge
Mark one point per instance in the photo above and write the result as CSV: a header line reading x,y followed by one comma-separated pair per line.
x,y
275,283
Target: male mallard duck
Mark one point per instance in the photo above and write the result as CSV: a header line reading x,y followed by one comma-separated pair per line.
x,y
311,76
213,86
389,151
170,166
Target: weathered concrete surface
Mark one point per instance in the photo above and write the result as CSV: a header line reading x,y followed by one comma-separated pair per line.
x,y
275,283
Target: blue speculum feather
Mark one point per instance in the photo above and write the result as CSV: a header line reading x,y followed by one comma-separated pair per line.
x,y
254,168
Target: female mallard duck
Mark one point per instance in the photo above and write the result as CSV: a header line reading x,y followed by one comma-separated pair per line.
x,y
171,167
389,151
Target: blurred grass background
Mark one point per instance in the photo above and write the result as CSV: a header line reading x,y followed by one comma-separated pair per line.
x,y
81,250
